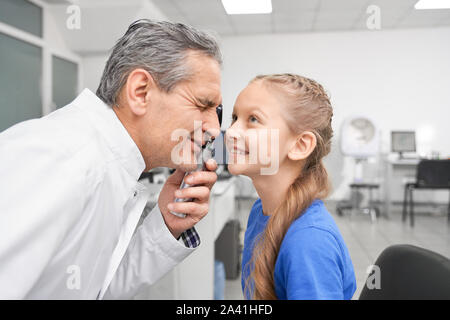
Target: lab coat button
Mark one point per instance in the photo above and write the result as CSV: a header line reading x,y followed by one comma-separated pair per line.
x,y
135,194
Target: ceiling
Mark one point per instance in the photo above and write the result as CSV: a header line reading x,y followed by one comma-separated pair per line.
x,y
104,21
302,16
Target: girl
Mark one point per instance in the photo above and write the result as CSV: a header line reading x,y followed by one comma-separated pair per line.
x,y
292,247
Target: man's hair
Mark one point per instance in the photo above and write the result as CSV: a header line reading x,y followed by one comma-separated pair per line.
x,y
160,48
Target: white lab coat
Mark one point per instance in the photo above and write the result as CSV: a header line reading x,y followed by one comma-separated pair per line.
x,y
69,204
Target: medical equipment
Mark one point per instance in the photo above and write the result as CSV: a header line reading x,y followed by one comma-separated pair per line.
x,y
207,153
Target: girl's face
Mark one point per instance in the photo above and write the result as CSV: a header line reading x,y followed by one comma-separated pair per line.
x,y
258,140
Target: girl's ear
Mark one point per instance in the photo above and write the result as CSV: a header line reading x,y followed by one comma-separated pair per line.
x,y
303,147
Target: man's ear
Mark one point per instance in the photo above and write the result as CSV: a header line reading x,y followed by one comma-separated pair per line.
x,y
303,147
139,85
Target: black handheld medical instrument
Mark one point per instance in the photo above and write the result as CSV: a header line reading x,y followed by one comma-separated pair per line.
x,y
207,153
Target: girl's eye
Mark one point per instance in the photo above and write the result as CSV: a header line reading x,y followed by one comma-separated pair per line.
x,y
253,119
233,118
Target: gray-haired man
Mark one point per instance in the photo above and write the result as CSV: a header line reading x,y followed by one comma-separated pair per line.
x,y
70,197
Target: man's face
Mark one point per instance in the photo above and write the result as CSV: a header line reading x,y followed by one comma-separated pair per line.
x,y
180,118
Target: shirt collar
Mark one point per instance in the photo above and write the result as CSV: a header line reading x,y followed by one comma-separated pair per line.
x,y
105,120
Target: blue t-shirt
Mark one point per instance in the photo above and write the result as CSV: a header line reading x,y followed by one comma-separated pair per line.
x,y
313,261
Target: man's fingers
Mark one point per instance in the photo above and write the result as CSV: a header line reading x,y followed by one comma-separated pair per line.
x,y
211,165
207,178
201,193
176,177
193,209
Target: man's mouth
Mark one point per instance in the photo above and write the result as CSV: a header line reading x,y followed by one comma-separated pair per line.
x,y
197,145
201,144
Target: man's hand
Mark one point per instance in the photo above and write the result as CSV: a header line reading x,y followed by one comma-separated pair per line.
x,y
202,182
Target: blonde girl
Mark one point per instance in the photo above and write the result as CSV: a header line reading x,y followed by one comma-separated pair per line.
x,y
292,248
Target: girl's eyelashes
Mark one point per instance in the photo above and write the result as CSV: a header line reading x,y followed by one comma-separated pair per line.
x,y
253,119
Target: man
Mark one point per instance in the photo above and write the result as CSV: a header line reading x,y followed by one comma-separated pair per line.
x,y
70,198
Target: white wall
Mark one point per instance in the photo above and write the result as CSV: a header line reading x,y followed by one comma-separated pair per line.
x,y
400,78
93,66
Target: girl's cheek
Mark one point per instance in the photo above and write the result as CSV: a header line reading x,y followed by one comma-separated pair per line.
x,y
252,143
273,148
235,137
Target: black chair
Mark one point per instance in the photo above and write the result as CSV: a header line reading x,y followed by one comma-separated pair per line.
x,y
410,273
431,174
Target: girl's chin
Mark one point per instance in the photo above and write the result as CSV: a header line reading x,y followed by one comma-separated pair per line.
x,y
239,169
235,169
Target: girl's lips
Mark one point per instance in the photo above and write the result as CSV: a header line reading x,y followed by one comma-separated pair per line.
x,y
238,151
233,147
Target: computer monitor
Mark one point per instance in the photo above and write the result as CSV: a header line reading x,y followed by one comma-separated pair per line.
x,y
403,141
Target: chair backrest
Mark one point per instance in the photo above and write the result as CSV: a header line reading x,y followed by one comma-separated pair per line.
x,y
410,273
433,173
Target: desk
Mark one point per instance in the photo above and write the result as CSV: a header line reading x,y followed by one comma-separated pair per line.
x,y
397,170
193,278
222,203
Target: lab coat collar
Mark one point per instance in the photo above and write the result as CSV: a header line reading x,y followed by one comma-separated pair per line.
x,y
105,120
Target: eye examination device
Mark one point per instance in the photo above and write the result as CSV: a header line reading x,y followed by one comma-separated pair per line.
x,y
203,156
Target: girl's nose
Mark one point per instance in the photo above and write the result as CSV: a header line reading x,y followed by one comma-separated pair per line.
x,y
233,133
234,136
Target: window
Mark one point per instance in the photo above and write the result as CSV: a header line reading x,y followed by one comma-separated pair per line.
x,y
23,15
20,81
65,81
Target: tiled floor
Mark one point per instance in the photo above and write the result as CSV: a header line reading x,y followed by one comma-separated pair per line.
x,y
366,240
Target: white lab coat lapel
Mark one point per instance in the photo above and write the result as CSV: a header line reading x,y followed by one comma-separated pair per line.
x,y
134,207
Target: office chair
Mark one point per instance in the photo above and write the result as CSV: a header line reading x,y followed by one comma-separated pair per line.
x,y
431,174
410,273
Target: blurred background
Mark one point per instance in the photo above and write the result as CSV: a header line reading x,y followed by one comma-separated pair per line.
x,y
385,64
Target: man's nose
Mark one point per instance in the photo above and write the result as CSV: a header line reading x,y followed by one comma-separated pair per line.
x,y
211,124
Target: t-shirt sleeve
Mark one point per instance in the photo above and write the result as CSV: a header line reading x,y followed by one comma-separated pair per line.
x,y
309,266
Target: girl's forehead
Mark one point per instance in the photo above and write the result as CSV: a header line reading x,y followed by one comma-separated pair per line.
x,y
257,96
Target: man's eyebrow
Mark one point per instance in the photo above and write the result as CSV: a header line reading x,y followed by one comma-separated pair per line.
x,y
207,102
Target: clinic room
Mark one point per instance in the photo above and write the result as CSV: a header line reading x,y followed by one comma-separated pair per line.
x,y
225,150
